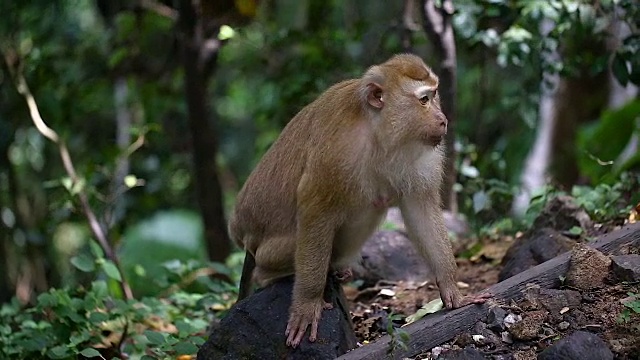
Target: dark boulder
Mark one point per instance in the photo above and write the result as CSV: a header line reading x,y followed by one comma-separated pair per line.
x,y
254,328
580,345
533,249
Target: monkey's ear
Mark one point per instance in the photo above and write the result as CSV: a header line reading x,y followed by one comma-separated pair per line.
x,y
374,95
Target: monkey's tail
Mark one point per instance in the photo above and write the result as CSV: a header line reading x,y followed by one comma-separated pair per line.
x,y
246,282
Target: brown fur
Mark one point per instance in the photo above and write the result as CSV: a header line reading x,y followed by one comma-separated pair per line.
x,y
315,196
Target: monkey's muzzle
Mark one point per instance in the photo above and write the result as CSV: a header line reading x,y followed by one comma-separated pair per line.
x,y
433,140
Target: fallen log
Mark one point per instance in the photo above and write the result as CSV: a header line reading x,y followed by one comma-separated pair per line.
x,y
443,326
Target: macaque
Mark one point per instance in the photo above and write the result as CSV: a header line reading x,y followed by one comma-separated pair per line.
x,y
324,186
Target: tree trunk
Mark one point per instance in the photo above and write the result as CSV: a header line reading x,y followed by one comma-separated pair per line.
x,y
198,63
437,25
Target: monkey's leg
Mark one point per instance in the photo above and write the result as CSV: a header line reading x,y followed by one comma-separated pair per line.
x,y
247,275
313,255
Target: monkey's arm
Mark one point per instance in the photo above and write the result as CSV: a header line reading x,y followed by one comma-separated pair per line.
x,y
427,231
425,224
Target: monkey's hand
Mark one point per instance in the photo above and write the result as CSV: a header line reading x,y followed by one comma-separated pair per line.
x,y
452,298
303,314
343,275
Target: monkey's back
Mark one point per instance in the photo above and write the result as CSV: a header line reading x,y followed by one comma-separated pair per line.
x,y
266,204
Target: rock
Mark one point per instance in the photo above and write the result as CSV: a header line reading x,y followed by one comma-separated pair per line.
x,y
588,268
563,325
529,327
483,336
511,319
495,319
506,337
503,357
553,300
467,353
527,354
580,345
626,267
561,213
533,248
389,255
254,328
546,239
455,222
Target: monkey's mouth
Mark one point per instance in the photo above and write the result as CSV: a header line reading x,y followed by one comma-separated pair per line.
x,y
432,140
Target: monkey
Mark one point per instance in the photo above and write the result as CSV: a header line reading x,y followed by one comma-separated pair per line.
x,y
325,184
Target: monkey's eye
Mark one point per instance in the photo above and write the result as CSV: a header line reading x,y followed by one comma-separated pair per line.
x,y
427,97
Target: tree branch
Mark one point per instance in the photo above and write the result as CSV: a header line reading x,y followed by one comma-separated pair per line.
x,y
46,131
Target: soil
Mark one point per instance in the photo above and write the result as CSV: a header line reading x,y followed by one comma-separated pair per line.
x,y
599,311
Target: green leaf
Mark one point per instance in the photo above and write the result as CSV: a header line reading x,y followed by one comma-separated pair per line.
x,y
99,288
89,352
576,230
47,300
184,328
97,317
78,186
429,308
79,338
83,263
197,340
185,348
59,352
117,56
111,270
96,249
226,32
130,181
480,201
155,337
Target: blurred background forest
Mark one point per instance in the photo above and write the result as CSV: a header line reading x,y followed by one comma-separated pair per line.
x,y
159,110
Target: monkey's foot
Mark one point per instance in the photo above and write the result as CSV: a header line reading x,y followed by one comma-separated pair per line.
x,y
343,275
301,316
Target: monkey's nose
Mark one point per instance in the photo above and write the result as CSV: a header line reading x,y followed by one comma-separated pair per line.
x,y
443,127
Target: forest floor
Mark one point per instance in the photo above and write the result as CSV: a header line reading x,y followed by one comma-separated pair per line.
x,y
599,311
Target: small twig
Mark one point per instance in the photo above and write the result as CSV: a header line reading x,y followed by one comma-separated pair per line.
x,y
120,345
46,131
135,146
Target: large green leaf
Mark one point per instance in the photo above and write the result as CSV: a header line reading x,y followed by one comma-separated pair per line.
x,y
168,235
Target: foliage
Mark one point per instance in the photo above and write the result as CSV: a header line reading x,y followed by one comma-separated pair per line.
x,y
632,308
604,143
428,308
602,202
66,322
399,337
174,235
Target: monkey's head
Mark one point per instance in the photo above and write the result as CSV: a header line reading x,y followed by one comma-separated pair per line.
x,y
403,94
